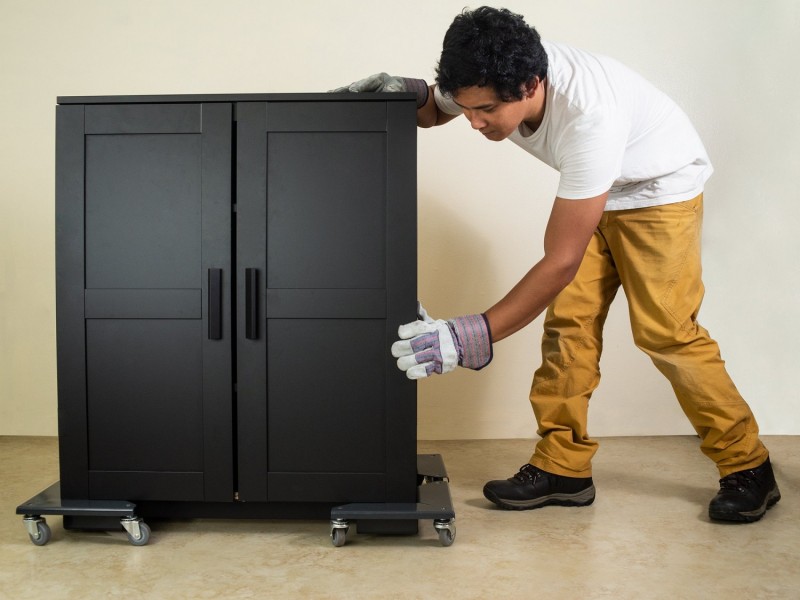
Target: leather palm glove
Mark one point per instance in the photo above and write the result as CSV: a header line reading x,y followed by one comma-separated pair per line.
x,y
429,346
382,82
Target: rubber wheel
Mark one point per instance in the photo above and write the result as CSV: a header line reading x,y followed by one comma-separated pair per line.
x,y
447,537
44,534
144,535
338,537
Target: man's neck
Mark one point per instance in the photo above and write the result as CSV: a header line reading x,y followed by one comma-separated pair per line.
x,y
538,104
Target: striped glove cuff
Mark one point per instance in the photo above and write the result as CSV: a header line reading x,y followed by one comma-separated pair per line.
x,y
419,87
473,340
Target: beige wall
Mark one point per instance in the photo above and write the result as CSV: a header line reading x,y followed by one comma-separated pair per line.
x,y
730,63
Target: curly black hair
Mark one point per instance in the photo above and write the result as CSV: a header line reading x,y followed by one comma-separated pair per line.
x,y
490,47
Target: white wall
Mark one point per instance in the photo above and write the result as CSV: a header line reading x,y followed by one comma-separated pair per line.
x,y
731,64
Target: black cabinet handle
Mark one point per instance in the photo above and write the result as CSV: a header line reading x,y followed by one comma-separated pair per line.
x,y
215,304
251,304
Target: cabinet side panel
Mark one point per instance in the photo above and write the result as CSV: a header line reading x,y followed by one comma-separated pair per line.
x,y
401,297
71,344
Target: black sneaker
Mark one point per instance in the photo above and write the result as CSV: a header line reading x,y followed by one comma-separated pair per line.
x,y
746,495
534,488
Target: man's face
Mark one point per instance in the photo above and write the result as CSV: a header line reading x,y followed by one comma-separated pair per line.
x,y
487,113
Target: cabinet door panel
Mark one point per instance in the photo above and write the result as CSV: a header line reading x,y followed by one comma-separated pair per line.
x,y
145,368
326,384
143,210
327,213
147,401
326,221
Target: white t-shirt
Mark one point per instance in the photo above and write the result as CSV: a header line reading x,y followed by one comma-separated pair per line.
x,y
606,128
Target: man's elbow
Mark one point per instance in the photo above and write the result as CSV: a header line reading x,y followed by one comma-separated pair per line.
x,y
565,270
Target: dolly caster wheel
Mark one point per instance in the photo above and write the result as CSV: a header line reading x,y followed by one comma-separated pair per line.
x,y
339,530
38,530
138,531
446,529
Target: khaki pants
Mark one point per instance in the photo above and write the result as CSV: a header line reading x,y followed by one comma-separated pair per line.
x,y
654,253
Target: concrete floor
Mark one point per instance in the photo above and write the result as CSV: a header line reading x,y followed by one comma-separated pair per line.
x,y
646,536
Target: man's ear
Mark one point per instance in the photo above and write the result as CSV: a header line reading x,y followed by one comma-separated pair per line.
x,y
529,88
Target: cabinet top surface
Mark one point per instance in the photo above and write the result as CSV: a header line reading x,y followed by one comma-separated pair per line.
x,y
193,98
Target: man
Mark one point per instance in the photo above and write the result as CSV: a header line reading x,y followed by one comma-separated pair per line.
x,y
627,213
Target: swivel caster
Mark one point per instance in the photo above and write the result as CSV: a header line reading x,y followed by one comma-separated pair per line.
x,y
446,529
137,530
339,528
38,530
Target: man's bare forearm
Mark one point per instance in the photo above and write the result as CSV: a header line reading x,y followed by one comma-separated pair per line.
x,y
529,298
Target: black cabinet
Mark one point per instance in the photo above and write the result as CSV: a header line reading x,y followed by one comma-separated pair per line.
x,y
231,271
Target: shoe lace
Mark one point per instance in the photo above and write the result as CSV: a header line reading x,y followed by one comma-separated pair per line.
x,y
527,473
739,481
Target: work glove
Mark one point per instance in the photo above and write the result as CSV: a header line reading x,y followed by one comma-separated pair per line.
x,y
430,346
381,82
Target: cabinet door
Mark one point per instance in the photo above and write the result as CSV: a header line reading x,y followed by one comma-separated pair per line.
x,y
326,236
144,291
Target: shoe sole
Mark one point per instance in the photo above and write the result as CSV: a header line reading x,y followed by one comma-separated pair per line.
x,y
747,516
582,498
